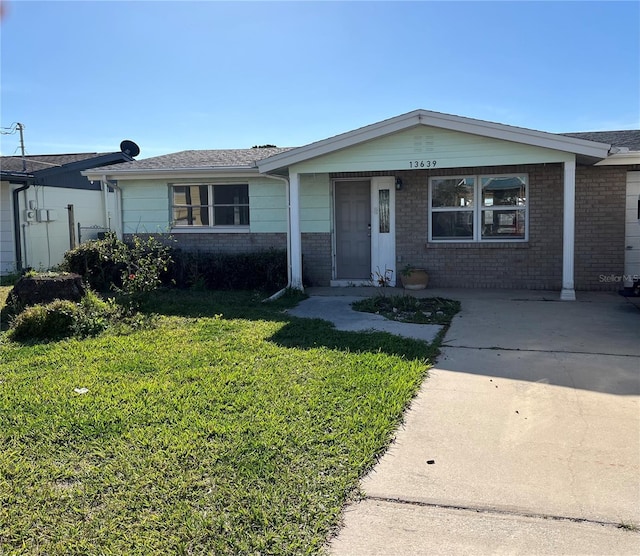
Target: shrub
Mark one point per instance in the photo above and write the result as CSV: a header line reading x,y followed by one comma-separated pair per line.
x,y
94,261
130,268
143,262
264,270
63,318
142,265
95,315
44,322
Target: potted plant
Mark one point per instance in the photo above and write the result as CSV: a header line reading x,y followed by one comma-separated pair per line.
x,y
414,278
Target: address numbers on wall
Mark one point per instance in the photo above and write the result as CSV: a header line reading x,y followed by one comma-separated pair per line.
x,y
422,163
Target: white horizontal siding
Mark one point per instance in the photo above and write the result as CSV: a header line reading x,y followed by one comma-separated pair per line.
x,y
7,248
449,149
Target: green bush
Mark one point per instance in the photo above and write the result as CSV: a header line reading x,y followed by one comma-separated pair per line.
x,y
129,268
63,319
95,315
94,260
264,270
44,322
142,265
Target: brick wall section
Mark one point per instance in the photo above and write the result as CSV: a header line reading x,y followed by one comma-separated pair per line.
x,y
316,259
600,226
535,264
228,243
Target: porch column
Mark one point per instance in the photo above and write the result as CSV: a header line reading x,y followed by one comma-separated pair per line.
x,y
295,240
568,231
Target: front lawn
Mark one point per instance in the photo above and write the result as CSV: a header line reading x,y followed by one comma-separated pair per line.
x,y
229,428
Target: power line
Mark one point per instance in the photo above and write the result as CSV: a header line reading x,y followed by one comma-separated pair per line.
x,y
17,126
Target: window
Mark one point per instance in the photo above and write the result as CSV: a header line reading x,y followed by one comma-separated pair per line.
x,y
478,208
384,214
210,205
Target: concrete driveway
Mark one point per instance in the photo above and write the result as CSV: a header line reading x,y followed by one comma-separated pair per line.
x,y
525,439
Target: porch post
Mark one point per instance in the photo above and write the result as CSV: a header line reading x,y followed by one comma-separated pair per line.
x,y
295,247
568,231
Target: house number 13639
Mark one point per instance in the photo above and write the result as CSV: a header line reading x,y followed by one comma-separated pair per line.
x,y
422,164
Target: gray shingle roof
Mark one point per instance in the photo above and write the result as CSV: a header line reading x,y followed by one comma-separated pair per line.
x,y
37,162
240,158
629,138
247,158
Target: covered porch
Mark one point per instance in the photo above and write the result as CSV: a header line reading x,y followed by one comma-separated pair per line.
x,y
372,194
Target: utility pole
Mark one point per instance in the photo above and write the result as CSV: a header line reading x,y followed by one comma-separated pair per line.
x,y
20,128
10,131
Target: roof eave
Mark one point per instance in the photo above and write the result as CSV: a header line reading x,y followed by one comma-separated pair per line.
x,y
621,159
172,173
493,130
103,159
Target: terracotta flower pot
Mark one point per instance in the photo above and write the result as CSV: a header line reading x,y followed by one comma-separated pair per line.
x,y
415,279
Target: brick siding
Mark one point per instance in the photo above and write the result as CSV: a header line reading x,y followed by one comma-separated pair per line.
x,y
316,259
227,243
536,263
600,226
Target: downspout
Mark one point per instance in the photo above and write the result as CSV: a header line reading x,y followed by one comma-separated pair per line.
x,y
105,184
280,293
105,190
16,225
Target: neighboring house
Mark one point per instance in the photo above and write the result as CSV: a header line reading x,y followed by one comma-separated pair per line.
x,y
478,204
46,204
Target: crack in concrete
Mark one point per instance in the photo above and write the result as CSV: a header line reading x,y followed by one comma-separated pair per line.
x,y
498,511
558,351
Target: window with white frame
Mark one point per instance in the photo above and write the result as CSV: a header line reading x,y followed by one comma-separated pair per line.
x,y
210,205
478,208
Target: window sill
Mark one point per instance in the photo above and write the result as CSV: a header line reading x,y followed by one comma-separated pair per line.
x,y
211,230
515,244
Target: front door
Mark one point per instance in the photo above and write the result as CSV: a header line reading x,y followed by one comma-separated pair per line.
x,y
632,235
353,229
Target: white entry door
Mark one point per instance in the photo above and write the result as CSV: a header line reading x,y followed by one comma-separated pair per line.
x,y
632,227
383,230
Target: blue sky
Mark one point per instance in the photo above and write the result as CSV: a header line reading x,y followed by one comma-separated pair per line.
x,y
82,76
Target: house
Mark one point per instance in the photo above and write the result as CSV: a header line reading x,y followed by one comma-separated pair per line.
x,y
47,205
479,204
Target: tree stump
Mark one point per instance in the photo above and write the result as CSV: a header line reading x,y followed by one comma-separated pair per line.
x,y
44,288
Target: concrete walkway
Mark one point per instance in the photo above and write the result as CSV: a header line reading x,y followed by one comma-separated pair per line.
x,y
524,440
337,309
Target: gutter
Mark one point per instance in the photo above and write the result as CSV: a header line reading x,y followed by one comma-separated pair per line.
x,y
16,224
105,184
150,173
105,193
621,158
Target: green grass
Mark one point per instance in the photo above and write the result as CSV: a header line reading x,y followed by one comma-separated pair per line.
x,y
230,428
405,308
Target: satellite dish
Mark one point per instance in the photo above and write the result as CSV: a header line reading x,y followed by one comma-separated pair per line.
x,y
130,148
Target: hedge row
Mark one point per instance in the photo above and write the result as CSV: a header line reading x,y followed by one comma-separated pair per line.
x,y
265,270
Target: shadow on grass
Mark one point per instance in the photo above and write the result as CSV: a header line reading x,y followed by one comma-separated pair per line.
x,y
314,333
296,333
